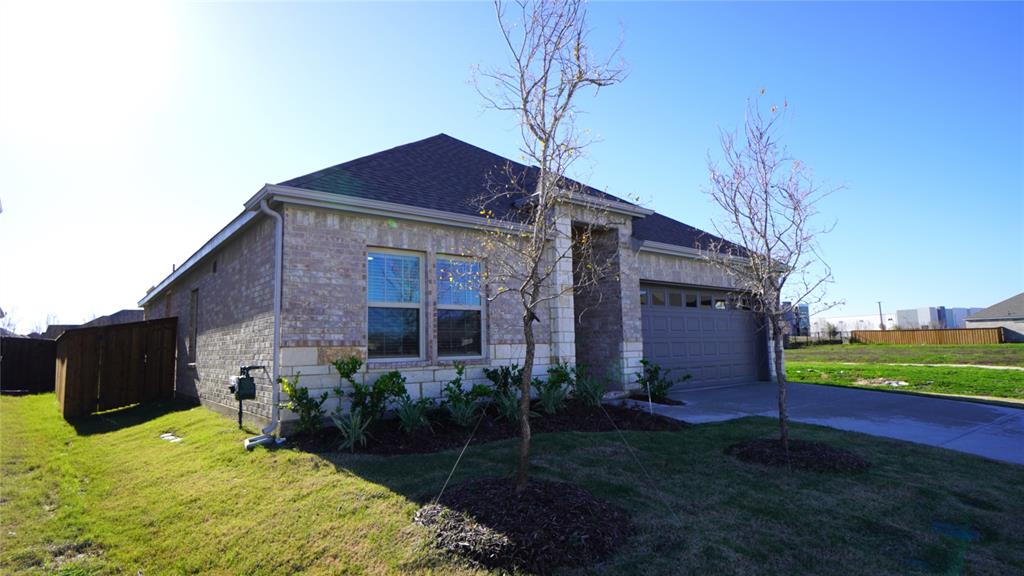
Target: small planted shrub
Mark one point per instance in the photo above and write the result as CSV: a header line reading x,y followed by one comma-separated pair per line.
x,y
504,377
655,381
506,402
347,369
373,399
309,409
353,427
551,394
460,404
412,414
587,389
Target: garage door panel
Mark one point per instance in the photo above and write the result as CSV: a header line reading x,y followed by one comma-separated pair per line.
x,y
712,345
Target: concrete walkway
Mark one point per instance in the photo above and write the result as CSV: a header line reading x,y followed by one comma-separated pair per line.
x,y
995,432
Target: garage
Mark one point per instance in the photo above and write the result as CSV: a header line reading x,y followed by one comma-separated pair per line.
x,y
707,333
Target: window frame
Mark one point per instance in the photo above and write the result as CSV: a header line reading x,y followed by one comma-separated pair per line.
x,y
192,337
420,306
480,307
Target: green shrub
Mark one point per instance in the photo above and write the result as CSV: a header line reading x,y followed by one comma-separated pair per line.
x,y
347,368
310,410
506,402
551,394
562,374
504,377
353,429
655,381
461,404
372,400
587,389
412,414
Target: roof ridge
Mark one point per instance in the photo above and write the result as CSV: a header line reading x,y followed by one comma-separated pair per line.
x,y
300,180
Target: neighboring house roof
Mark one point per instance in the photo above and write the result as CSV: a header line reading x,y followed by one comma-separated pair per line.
x,y
445,173
1010,309
120,317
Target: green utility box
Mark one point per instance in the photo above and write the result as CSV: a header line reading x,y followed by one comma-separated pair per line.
x,y
245,388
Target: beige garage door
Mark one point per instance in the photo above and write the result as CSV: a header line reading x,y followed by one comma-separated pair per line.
x,y
705,333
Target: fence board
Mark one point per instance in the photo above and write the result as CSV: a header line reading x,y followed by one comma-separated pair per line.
x,y
957,336
108,367
27,364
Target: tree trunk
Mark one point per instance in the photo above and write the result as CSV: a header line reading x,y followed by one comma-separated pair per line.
x,y
523,470
780,377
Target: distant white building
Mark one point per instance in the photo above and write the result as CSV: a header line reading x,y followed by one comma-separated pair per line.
x,y
928,318
933,318
846,324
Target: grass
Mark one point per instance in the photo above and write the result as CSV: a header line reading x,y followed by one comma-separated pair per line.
x,y
975,382
984,354
109,497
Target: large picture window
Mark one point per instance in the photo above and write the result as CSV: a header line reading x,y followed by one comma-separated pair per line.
x,y
395,314
459,308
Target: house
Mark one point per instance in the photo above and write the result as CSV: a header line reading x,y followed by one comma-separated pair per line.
x,y
1008,314
361,250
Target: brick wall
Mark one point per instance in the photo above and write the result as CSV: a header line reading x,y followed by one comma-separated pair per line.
x,y
324,300
679,270
235,320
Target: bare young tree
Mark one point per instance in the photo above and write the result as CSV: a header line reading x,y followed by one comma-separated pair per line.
x,y
770,249
536,238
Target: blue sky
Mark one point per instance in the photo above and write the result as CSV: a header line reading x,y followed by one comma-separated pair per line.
x,y
130,133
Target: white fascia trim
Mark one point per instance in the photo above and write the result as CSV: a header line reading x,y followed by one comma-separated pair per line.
x,y
670,249
626,208
358,205
673,250
219,238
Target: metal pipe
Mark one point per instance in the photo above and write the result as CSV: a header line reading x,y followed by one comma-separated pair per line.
x,y
271,429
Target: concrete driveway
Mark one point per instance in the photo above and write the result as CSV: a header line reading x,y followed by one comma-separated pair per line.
x,y
995,432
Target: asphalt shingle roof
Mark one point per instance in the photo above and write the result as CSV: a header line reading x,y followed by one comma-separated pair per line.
x,y
444,173
1012,307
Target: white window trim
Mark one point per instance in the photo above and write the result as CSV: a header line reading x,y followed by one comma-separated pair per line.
x,y
482,307
421,306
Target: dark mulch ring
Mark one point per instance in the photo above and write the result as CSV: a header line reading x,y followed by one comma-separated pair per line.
x,y
641,397
386,437
803,455
551,524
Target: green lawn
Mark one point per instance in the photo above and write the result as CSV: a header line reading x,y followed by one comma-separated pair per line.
x,y
110,497
980,382
986,354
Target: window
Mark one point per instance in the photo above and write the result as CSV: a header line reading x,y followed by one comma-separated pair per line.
x,y
657,297
691,300
193,325
459,308
643,296
720,304
394,317
705,301
675,298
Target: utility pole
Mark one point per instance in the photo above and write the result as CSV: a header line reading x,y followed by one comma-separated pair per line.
x,y
881,319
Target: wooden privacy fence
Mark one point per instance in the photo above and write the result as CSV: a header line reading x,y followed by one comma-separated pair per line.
x,y
27,364
952,336
113,366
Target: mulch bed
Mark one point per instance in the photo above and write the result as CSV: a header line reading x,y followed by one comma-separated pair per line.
x,y
803,455
666,401
551,524
387,438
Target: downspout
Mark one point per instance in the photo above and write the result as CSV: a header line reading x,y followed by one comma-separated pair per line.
x,y
271,429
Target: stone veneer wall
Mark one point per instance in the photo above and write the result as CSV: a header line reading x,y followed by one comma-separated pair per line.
x,y
235,320
324,315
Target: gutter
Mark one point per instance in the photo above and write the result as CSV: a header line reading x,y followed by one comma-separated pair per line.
x,y
270,431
